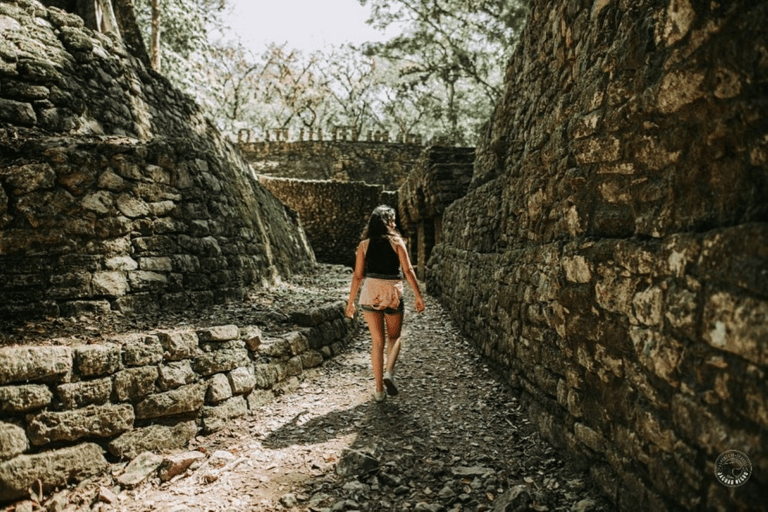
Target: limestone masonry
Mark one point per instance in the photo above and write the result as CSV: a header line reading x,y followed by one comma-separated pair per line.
x,y
611,256
115,192
144,392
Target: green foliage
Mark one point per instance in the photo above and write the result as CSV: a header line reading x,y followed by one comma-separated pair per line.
x,y
184,33
456,48
439,78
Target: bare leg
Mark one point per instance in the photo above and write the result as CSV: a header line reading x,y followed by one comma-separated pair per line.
x,y
394,327
375,322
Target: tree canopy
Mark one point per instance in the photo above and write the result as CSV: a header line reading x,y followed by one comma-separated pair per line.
x,y
440,77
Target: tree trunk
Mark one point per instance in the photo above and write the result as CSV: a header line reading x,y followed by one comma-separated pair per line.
x,y
125,16
155,42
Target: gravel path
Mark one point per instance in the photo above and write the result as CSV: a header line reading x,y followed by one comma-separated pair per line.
x,y
454,439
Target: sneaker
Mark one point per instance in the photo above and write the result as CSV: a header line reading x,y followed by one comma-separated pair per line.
x,y
379,395
389,382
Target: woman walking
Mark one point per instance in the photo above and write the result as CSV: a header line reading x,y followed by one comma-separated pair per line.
x,y
380,257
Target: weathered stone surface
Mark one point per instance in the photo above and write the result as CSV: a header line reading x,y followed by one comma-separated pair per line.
x,y
19,364
252,336
154,438
176,374
135,383
141,350
52,469
311,359
220,333
259,398
216,417
13,441
24,398
182,400
179,345
97,360
218,389
80,394
356,463
139,469
103,421
218,361
242,379
177,464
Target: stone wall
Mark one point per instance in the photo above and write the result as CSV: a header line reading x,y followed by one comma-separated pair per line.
x,y
611,254
115,192
333,213
376,163
63,405
440,176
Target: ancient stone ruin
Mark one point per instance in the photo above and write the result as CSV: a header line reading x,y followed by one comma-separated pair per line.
x,y
610,256
115,192
604,245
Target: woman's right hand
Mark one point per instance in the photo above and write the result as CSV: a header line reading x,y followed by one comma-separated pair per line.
x,y
420,305
351,309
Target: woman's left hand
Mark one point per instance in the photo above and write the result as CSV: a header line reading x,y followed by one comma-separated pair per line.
x,y
351,309
420,305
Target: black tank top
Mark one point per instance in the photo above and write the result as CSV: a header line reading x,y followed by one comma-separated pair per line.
x,y
381,260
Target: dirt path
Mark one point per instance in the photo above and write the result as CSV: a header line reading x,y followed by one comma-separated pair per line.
x,y
454,439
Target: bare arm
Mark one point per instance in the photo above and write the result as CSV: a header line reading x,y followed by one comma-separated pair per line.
x,y
357,279
410,275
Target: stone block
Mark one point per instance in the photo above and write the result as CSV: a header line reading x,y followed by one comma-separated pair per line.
x,y
252,337
298,342
13,441
135,383
156,264
215,418
22,364
219,361
109,283
589,437
154,438
185,399
220,333
141,350
24,398
259,398
266,375
275,347
52,469
91,421
179,344
294,367
82,393
141,280
176,374
174,465
218,389
242,379
139,469
311,359
737,324
97,360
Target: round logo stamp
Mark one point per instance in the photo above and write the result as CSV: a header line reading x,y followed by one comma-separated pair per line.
x,y
733,468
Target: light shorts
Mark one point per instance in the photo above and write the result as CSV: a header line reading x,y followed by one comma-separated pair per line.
x,y
383,295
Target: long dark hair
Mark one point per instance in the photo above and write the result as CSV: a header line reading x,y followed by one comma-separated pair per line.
x,y
379,224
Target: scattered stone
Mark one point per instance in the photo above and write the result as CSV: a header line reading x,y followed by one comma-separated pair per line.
x,y
177,464
107,496
153,438
356,463
139,469
53,469
289,500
